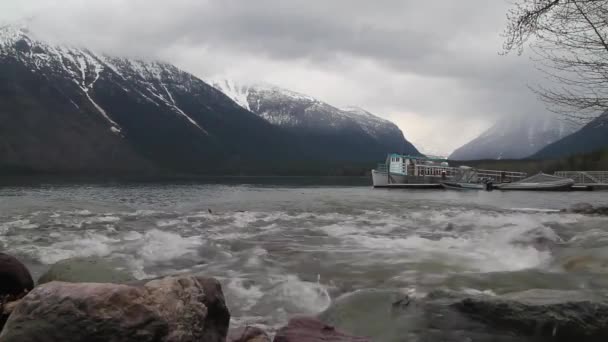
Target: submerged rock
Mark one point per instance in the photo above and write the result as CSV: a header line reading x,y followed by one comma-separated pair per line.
x,y
581,208
184,308
85,270
15,282
546,315
305,329
586,208
539,315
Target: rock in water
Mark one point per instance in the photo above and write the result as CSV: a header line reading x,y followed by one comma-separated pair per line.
x,y
15,279
546,315
172,309
15,282
586,208
85,270
304,329
581,208
530,316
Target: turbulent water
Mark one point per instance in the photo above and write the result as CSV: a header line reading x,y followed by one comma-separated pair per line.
x,y
285,250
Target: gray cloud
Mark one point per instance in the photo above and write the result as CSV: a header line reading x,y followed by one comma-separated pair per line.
x,y
431,66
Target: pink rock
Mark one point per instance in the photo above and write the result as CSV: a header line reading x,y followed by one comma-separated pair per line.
x,y
248,334
305,329
172,309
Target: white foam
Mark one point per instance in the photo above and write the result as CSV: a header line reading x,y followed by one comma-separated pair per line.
x,y
301,296
17,224
536,210
169,223
163,246
132,236
497,241
90,245
247,296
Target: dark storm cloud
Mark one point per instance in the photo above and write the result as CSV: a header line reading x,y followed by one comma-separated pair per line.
x,y
432,59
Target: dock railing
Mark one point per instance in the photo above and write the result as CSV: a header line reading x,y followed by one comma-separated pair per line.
x,y
585,177
502,176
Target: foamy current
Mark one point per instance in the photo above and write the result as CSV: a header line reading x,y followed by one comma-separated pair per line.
x,y
286,250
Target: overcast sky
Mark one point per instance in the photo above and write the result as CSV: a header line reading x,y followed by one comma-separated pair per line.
x,y
430,66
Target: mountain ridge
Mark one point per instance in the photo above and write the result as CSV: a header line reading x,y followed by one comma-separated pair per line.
x,y
591,137
514,137
156,115
70,109
311,119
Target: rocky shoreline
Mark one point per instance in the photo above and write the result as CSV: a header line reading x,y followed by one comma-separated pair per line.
x,y
105,304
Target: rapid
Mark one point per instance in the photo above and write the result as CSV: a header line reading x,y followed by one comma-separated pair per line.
x,y
283,250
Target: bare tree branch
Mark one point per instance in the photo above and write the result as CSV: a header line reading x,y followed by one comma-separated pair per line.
x,y
569,41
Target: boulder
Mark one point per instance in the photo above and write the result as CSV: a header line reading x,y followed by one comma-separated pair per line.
x,y
586,208
15,279
582,208
85,270
306,329
546,315
540,315
15,282
172,309
248,334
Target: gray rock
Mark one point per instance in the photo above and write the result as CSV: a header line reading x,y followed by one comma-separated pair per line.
x,y
306,329
85,270
172,309
581,208
541,315
546,315
586,208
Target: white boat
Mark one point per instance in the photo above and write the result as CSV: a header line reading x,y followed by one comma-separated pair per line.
x,y
463,186
467,179
416,172
539,182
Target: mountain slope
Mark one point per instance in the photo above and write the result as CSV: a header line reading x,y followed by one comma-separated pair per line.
x,y
514,138
70,109
320,129
591,137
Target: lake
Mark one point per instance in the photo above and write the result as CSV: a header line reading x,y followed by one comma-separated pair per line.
x,y
287,247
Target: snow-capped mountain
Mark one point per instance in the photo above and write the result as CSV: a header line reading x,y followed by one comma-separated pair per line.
x,y
350,133
591,137
70,109
515,137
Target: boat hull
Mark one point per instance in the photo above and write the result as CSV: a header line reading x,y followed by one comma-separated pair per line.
x,y
561,185
462,186
384,180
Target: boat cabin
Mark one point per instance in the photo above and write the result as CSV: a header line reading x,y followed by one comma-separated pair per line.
x,y
407,165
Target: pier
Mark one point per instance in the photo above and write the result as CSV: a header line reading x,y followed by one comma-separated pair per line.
x,y
586,179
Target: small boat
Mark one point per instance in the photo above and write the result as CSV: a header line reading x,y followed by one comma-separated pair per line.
x,y
539,182
463,186
467,179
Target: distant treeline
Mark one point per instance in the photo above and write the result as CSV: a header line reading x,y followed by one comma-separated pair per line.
x,y
235,169
595,161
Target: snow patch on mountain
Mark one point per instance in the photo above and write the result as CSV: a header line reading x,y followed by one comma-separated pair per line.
x,y
252,96
238,93
85,68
